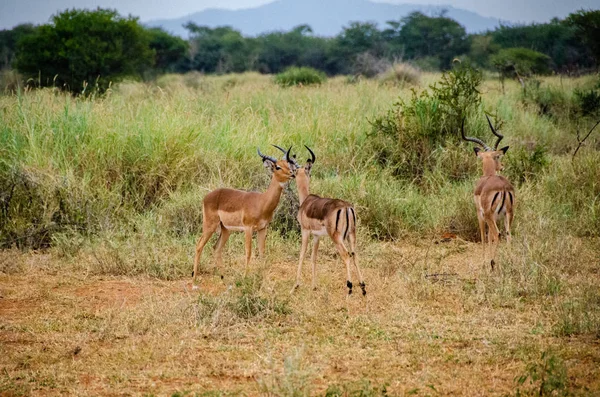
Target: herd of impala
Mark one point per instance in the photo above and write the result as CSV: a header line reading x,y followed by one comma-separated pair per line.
x,y
226,210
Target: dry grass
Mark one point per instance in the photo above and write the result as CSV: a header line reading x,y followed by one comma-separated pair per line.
x,y
107,308
435,321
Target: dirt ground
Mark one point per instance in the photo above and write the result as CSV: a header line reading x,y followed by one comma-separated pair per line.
x,y
434,322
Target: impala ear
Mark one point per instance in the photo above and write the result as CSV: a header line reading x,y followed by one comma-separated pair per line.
x,y
308,167
504,149
269,164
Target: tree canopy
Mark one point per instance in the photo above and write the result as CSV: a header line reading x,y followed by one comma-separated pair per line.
x,y
79,48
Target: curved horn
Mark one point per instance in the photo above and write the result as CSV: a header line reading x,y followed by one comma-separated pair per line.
x,y
471,139
287,156
500,136
312,155
280,148
292,159
273,159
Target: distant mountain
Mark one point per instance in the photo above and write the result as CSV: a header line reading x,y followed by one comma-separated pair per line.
x,y
325,17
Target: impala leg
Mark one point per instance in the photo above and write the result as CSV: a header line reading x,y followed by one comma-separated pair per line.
x,y
313,259
261,236
507,224
225,233
339,244
248,235
494,237
352,240
305,236
209,229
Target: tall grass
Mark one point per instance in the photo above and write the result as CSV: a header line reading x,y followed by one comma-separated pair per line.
x,y
118,174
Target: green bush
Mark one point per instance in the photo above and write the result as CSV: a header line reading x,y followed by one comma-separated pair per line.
x,y
549,100
408,136
588,102
525,164
300,76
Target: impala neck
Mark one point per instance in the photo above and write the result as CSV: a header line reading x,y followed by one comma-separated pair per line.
x,y
272,195
489,167
303,183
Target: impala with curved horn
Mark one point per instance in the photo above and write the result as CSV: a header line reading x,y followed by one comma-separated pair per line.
x,y
321,217
237,210
494,195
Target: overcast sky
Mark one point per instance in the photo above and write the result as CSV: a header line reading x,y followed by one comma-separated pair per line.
x,y
14,12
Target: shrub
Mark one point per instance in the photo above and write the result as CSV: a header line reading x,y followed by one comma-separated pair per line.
x,y
525,164
405,138
588,102
300,76
546,377
367,65
401,74
548,100
10,81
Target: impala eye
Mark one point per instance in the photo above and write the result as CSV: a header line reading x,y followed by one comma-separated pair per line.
x,y
277,167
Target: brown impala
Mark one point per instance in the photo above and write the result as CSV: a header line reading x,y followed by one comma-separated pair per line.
x,y
237,210
494,195
321,217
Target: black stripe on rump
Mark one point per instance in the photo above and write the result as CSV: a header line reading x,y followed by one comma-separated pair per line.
x,y
347,224
353,216
511,198
337,219
502,204
494,200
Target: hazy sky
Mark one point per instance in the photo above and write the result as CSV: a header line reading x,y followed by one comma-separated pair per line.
x,y
13,12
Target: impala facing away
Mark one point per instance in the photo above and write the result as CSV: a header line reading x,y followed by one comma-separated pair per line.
x,y
494,195
325,216
237,210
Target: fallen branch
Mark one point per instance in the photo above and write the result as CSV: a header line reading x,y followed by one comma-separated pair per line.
x,y
581,141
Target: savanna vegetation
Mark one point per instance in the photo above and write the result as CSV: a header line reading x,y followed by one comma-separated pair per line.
x,y
111,134
82,50
101,207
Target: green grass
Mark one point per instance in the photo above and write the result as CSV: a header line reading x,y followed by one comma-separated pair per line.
x,y
100,200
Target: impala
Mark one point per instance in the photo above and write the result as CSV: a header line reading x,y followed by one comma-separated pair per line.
x,y
237,210
494,195
321,217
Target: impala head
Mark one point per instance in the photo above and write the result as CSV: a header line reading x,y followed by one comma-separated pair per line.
x,y
491,158
282,170
301,171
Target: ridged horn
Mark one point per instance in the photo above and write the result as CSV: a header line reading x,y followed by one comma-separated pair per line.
x,y
500,136
312,155
471,139
264,157
291,160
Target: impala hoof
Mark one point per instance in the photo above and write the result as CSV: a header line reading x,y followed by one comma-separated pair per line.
x,y
349,285
363,287
492,262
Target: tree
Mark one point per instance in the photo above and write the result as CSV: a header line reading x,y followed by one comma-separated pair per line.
x,y
520,62
556,39
221,50
587,26
82,47
8,43
279,50
360,39
423,36
170,52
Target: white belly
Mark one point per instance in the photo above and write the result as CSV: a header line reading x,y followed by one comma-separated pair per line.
x,y
234,228
319,232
